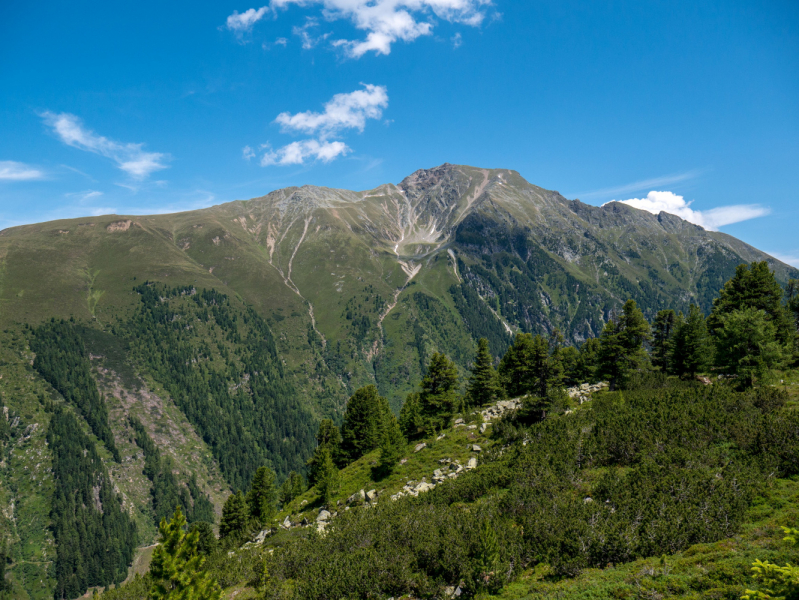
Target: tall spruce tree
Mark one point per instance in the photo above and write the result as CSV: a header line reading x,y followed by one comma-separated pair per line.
x,y
410,418
235,517
291,488
327,481
262,495
532,365
747,345
589,360
392,446
483,387
439,392
662,331
177,565
691,349
621,350
364,421
327,438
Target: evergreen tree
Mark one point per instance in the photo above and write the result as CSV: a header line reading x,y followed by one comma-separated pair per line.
x,y
235,517
532,365
328,478
662,331
621,350
483,387
392,446
692,348
328,438
261,497
488,558
291,488
589,361
410,419
438,396
206,540
572,372
177,565
747,345
364,421
5,584
754,286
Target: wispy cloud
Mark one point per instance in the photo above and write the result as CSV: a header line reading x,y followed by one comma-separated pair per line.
x,y
11,170
669,202
644,184
789,259
84,196
307,33
342,112
129,157
384,21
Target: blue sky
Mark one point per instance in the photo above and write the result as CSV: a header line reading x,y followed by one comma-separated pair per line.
x,y
141,107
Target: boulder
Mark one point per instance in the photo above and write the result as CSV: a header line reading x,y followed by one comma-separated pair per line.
x,y
259,539
458,421
472,463
419,447
323,516
476,448
286,524
359,496
371,495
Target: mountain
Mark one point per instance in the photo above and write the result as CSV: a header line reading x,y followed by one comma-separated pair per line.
x,y
218,338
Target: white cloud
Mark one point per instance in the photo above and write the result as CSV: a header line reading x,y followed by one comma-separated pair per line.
x,y
129,157
789,259
645,184
11,170
385,21
296,153
305,33
669,202
242,23
281,41
343,111
84,196
457,40
248,153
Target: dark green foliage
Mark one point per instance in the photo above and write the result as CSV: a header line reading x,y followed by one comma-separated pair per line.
x,y
62,360
478,318
438,395
220,364
747,345
621,351
634,474
483,387
293,486
5,584
327,477
95,538
589,361
570,358
235,521
662,331
392,446
364,423
207,543
327,439
532,365
410,420
691,349
262,496
754,286
166,492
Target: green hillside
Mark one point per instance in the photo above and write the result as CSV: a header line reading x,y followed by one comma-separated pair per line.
x,y
160,360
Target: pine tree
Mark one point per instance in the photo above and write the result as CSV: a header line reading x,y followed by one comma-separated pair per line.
x,y
621,350
662,331
364,421
206,540
589,360
328,438
754,286
572,372
235,517
392,446
291,488
438,395
483,387
261,497
488,558
177,566
328,478
410,419
692,348
532,365
747,345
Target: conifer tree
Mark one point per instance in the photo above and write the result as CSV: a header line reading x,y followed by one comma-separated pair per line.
x,y
692,348
589,360
328,438
747,345
177,566
483,387
662,331
488,558
438,395
532,365
621,350
410,419
235,517
261,497
206,540
570,359
364,421
291,488
392,446
328,478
